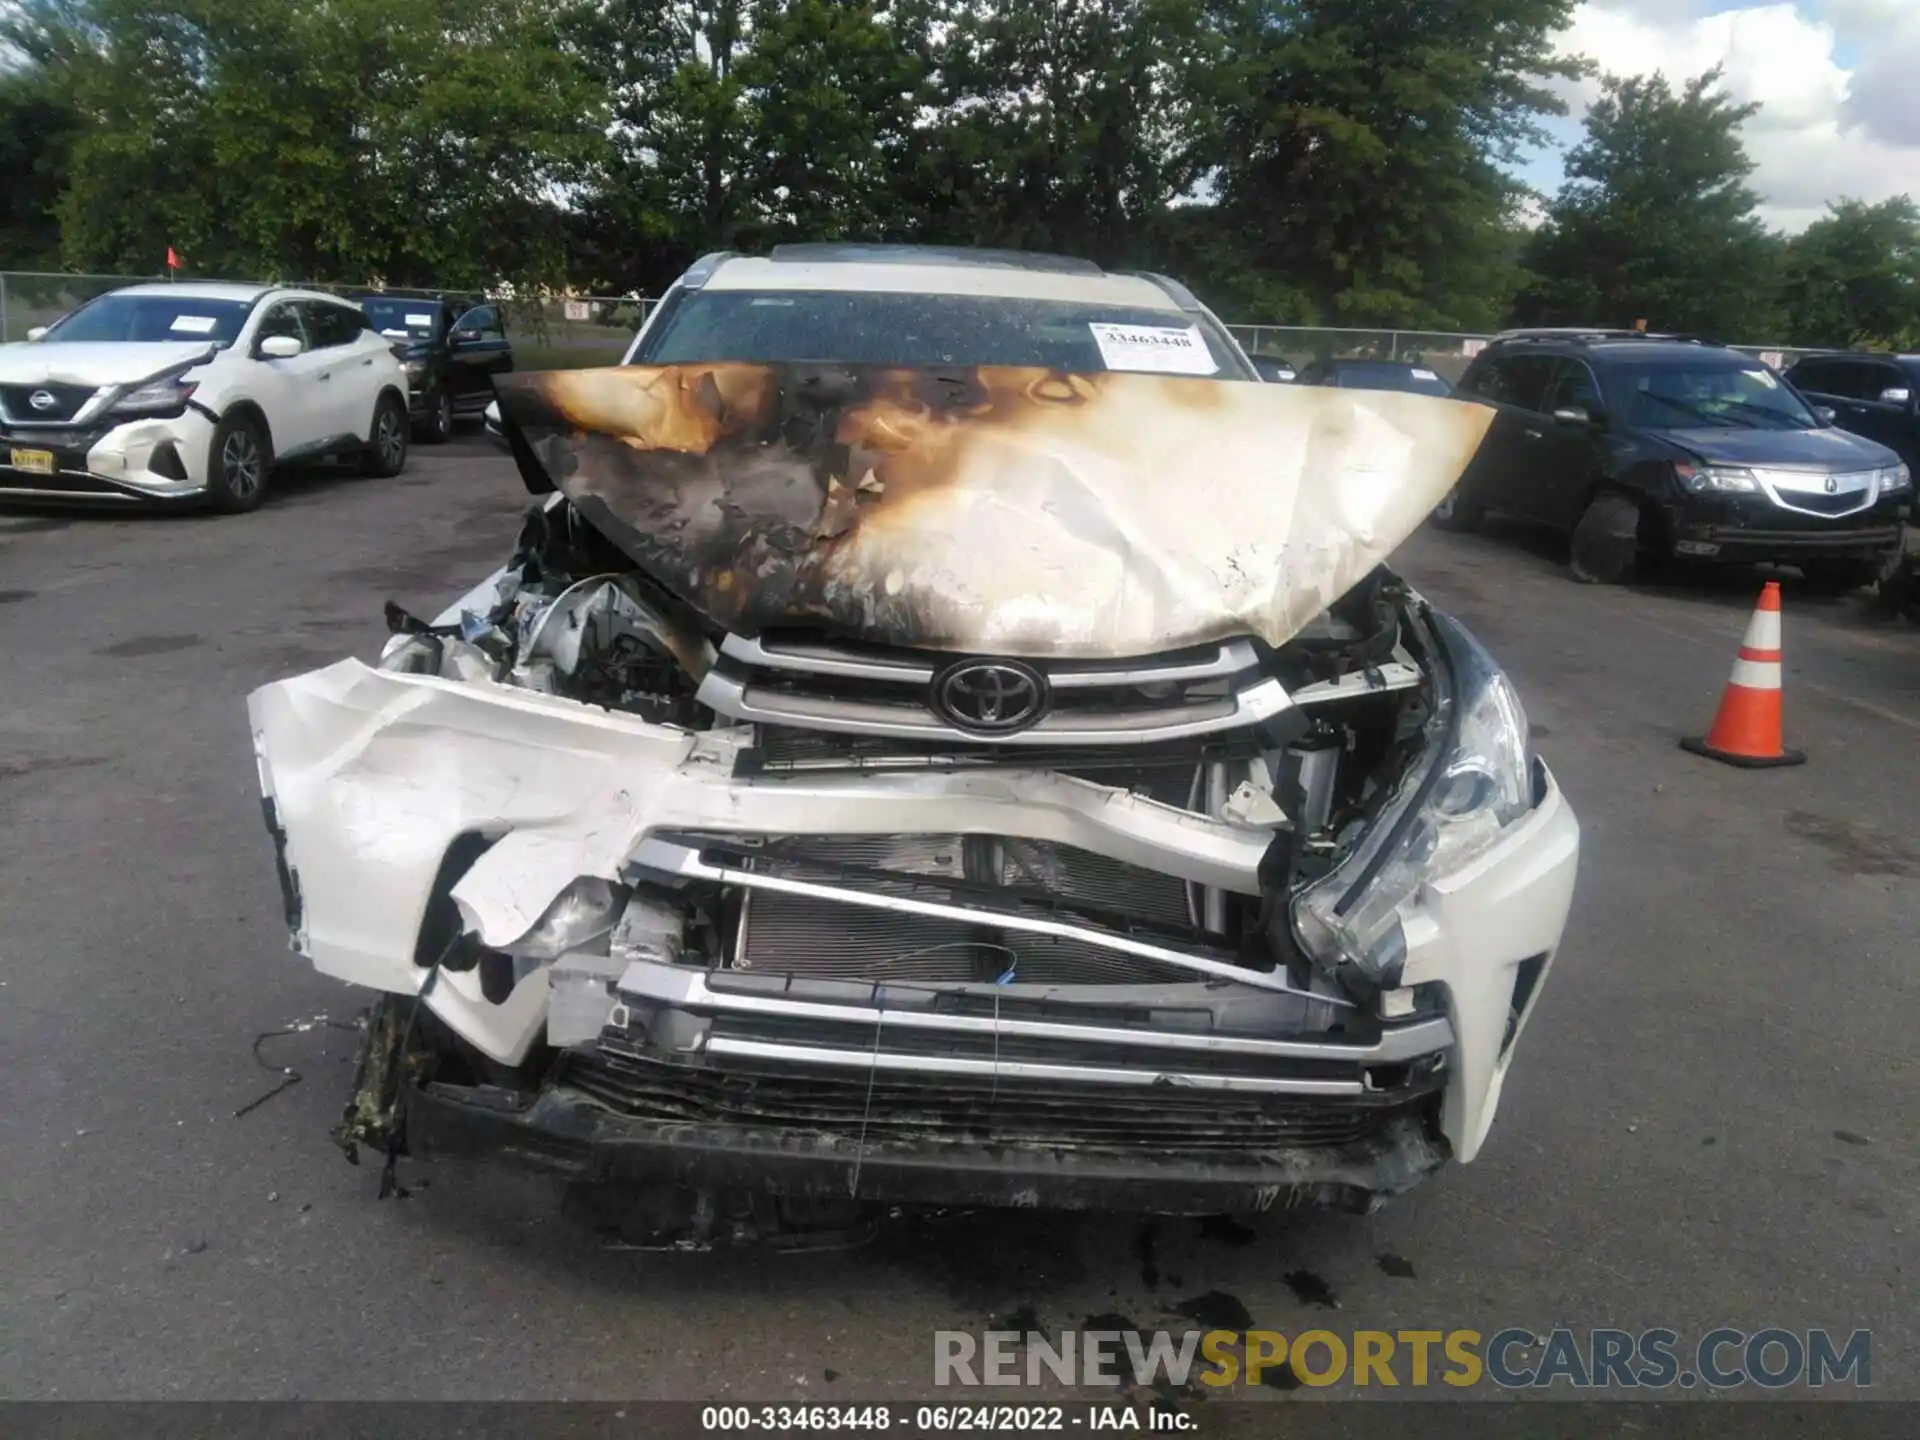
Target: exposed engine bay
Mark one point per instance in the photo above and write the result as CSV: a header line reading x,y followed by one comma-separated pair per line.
x,y
702,851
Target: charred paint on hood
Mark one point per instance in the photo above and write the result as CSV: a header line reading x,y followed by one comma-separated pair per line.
x,y
991,510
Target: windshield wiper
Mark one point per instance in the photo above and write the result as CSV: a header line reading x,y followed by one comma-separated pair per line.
x,y
1787,421
1694,413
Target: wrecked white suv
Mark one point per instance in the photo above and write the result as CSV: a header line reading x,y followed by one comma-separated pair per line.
x,y
945,735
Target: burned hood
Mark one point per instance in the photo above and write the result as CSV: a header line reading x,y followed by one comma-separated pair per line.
x,y
991,510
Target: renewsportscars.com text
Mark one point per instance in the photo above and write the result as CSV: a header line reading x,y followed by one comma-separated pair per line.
x,y
1594,1359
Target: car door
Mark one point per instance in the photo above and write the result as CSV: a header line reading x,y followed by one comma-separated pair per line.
x,y
1511,385
347,385
357,373
480,351
292,392
1874,398
1563,454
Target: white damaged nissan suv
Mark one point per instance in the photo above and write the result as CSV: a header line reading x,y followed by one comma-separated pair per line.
x,y
194,393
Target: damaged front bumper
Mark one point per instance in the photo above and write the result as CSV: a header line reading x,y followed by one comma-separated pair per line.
x,y
411,809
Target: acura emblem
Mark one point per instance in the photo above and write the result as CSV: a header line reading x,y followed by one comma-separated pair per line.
x,y
1833,485
990,697
43,399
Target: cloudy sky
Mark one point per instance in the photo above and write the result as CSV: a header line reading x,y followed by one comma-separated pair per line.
x,y
1840,81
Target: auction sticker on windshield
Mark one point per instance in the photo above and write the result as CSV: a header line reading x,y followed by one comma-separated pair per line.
x,y
1160,350
194,324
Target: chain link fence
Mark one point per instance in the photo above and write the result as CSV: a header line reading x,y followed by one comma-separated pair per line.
x,y
1444,351
564,332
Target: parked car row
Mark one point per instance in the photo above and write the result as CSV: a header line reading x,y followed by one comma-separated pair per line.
x,y
1647,449
194,393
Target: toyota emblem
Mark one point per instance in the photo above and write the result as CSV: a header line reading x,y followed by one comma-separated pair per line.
x,y
43,400
990,697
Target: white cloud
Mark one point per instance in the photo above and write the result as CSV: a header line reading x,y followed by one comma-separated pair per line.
x,y
1824,131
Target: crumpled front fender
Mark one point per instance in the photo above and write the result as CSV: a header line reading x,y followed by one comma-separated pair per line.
x,y
371,775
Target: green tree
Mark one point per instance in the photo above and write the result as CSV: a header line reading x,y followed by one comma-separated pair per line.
x,y
1061,124
740,123
1656,221
352,140
1853,278
37,129
1359,149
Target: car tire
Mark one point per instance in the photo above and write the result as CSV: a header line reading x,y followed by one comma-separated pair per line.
x,y
1606,542
239,462
438,427
386,451
1457,514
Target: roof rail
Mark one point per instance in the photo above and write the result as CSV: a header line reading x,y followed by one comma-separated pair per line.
x,y
702,269
838,251
1178,293
1593,335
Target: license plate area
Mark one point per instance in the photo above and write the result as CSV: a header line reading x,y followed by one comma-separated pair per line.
x,y
33,462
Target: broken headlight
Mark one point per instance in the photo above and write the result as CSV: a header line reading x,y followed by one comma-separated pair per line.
x,y
585,911
158,398
1473,781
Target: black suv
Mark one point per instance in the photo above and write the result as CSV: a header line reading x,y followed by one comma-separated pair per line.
x,y
1877,396
452,352
1655,447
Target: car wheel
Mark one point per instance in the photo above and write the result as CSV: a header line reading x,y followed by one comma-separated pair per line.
x,y
238,464
1841,577
438,428
1606,542
386,452
1454,513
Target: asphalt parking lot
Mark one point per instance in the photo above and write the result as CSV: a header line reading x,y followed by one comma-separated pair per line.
x,y
1712,1121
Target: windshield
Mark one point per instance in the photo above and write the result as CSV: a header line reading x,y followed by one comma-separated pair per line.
x,y
869,328
1681,397
401,319
1386,375
150,319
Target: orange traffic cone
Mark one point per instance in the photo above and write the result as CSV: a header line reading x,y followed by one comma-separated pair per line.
x,y
1746,732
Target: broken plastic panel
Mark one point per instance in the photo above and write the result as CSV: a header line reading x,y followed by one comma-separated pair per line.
x,y
1468,788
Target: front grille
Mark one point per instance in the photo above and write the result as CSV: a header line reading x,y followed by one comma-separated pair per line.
x,y
1162,771
16,403
868,691
805,935
1820,503
953,1111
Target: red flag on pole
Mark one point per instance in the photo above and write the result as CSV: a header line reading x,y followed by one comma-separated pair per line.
x,y
173,260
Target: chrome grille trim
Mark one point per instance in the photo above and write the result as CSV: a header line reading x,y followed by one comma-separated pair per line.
x,y
689,989
819,660
723,1047
1231,658
684,861
1780,485
736,699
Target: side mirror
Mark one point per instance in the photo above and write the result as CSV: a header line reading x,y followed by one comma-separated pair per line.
x,y
1826,413
1574,415
280,347
36,332
1898,395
